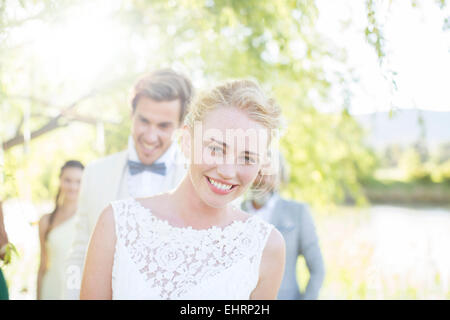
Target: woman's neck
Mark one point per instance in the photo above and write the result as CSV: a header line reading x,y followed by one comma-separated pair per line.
x,y
68,206
193,210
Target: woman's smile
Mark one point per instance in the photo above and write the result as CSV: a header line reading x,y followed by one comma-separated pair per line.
x,y
220,187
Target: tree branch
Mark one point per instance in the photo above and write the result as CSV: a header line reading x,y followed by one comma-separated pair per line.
x,y
52,124
19,126
19,139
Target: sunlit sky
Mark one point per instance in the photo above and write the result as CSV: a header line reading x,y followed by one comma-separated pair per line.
x,y
417,49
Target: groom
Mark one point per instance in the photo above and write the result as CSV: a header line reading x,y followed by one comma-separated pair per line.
x,y
151,164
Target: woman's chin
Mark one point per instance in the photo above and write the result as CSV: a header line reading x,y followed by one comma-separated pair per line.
x,y
219,201
214,202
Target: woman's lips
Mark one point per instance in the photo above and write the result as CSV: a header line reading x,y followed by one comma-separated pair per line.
x,y
218,190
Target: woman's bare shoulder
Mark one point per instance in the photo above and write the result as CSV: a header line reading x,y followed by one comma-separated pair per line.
x,y
105,221
275,245
159,205
241,214
155,202
44,221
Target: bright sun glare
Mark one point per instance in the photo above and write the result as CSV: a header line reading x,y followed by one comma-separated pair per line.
x,y
80,47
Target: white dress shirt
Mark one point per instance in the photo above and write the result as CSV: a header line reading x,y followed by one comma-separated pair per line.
x,y
265,212
147,183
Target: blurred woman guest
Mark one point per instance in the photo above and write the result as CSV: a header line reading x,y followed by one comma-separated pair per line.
x,y
192,243
56,232
295,223
3,243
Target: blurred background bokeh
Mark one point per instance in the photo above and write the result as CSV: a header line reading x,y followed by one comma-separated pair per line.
x,y
364,87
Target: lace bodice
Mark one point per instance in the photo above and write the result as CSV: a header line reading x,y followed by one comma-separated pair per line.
x,y
155,260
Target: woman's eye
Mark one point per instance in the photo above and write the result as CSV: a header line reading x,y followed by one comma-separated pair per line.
x,y
215,150
249,160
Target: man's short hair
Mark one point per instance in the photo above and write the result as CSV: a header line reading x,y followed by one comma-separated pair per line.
x,y
164,85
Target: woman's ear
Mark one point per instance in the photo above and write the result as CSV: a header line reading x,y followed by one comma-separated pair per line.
x,y
186,142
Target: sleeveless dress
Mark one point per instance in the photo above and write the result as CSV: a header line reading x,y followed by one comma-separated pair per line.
x,y
59,241
155,260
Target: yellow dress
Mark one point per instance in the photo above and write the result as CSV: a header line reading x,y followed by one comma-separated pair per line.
x,y
59,242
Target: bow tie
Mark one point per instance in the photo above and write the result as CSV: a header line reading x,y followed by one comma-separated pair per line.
x,y
137,167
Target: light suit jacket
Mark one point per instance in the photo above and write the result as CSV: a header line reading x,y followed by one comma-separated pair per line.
x,y
295,223
102,183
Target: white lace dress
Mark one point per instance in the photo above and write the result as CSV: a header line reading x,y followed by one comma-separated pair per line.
x,y
154,260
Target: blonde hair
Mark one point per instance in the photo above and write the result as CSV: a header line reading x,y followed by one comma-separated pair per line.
x,y
280,178
245,95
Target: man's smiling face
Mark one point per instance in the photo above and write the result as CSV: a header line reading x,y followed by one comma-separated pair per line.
x,y
153,125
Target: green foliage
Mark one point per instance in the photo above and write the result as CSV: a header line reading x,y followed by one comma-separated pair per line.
x,y
410,175
411,165
327,157
10,251
8,185
373,32
441,173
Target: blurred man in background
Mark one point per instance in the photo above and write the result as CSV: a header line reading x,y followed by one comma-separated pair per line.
x,y
295,223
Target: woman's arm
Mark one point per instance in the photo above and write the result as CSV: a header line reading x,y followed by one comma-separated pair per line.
x,y
96,283
271,269
43,226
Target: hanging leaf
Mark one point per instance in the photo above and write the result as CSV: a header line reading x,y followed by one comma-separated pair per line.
x,y
10,249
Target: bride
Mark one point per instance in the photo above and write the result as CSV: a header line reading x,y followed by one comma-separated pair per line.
x,y
193,243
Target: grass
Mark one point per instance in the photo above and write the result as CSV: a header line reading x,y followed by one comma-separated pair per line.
x,y
408,193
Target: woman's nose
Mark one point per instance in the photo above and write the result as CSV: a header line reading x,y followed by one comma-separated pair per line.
x,y
226,171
